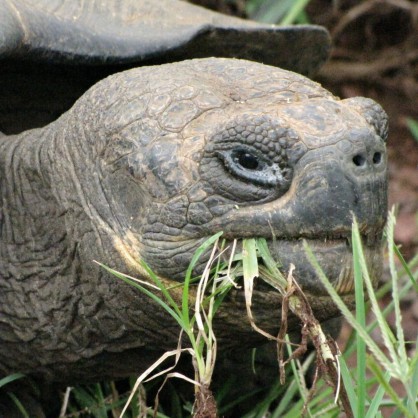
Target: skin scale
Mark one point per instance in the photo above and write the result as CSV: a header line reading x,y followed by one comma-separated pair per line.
x,y
148,164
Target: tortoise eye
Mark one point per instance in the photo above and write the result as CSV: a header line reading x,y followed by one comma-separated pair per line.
x,y
248,165
246,160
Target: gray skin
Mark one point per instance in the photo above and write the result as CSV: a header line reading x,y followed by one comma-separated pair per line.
x,y
147,165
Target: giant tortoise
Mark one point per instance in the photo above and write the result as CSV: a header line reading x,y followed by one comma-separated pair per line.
x,y
148,163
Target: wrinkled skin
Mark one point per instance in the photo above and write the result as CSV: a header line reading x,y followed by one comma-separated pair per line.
x,y
147,165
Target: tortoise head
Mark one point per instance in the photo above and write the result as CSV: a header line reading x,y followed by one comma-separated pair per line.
x,y
185,150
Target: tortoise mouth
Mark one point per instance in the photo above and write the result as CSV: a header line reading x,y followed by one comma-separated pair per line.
x,y
334,255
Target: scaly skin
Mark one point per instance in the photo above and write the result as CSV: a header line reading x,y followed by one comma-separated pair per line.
x,y
147,165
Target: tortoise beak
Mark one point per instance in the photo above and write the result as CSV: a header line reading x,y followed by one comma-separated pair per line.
x,y
335,258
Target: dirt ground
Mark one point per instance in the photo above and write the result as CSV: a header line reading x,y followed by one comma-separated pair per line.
x,y
375,54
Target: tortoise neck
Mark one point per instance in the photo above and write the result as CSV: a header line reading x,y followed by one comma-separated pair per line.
x,y
28,211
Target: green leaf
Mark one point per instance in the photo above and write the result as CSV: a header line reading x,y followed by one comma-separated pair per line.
x,y
401,351
377,399
377,371
413,127
175,313
387,335
361,319
348,384
405,266
11,378
18,404
271,264
249,266
371,344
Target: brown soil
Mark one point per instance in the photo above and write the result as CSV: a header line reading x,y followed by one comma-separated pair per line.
x,y
205,404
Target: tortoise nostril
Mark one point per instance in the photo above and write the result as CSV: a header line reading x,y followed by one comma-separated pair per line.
x,y
377,157
359,160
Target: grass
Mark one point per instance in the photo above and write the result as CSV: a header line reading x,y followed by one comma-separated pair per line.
x,y
383,365
3,384
370,384
197,324
413,127
284,12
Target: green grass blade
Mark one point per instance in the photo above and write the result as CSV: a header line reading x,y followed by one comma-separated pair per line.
x,y
377,371
377,399
361,320
296,411
101,401
18,404
405,266
387,335
348,384
268,11
302,18
293,13
163,288
174,313
219,296
249,262
270,263
403,356
412,401
388,309
84,398
299,378
413,127
249,266
11,378
286,401
285,12
371,344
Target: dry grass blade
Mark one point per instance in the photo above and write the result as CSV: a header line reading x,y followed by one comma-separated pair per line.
x,y
65,401
144,376
230,262
326,348
200,313
195,323
295,300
